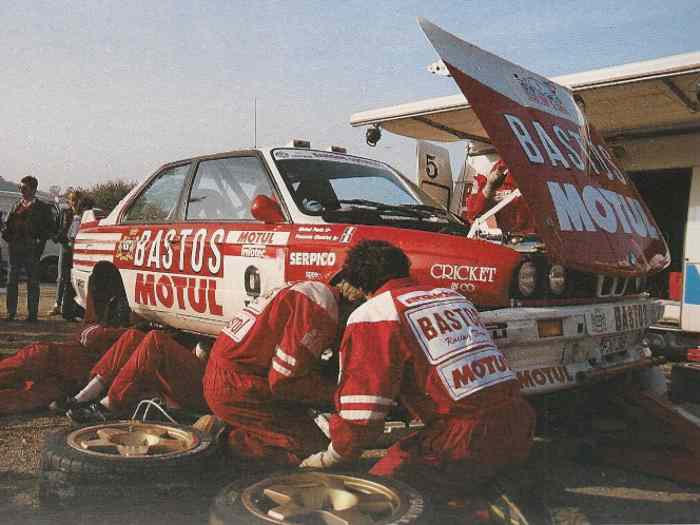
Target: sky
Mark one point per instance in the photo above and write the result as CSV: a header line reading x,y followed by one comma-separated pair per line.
x,y
105,90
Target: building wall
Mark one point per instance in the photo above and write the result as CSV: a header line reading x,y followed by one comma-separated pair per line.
x,y
681,151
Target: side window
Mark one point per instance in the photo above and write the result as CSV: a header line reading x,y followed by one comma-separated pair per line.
x,y
159,201
224,188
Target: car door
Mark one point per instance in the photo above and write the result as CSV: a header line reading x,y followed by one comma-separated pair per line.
x,y
230,257
147,253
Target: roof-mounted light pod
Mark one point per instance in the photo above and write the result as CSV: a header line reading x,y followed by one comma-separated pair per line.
x,y
298,143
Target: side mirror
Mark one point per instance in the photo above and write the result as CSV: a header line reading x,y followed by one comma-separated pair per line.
x,y
267,210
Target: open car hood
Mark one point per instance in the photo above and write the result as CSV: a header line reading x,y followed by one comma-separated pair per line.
x,y
585,208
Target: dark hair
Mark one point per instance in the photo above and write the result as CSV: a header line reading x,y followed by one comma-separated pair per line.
x,y
370,264
30,181
86,202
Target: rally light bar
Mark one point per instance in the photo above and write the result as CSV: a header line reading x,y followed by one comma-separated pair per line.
x,y
299,143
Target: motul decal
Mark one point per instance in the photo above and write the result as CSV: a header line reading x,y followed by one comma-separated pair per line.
x,y
257,237
536,378
473,371
189,294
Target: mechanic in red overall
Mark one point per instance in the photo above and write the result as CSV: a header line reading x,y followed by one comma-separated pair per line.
x,y
263,373
427,348
40,373
490,190
142,365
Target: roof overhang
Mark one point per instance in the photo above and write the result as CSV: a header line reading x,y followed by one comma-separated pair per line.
x,y
654,96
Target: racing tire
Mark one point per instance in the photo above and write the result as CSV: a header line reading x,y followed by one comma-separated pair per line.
x,y
100,462
311,494
685,383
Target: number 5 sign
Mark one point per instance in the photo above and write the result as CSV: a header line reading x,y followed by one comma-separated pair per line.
x,y
434,171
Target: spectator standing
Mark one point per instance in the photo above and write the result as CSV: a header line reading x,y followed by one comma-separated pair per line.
x,y
65,257
69,308
29,224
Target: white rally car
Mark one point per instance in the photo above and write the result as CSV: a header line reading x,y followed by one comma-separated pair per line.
x,y
203,236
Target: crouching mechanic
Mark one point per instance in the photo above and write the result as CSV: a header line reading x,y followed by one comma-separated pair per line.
x,y
427,348
141,365
264,372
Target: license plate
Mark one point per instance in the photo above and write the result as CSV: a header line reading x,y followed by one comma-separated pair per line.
x,y
611,344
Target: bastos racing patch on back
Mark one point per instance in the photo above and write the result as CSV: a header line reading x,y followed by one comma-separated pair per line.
x,y
584,206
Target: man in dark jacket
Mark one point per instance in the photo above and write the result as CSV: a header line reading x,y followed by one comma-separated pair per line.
x,y
29,224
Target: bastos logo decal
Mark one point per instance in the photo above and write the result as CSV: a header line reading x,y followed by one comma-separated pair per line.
x,y
583,205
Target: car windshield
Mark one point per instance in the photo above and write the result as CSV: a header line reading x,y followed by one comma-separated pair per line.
x,y
320,181
342,188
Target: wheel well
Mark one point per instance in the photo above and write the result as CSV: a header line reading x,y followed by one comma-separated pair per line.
x,y
104,284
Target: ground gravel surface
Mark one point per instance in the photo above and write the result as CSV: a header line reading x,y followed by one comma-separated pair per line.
x,y
575,492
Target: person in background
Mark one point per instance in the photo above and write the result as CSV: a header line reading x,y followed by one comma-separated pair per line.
x,y
29,225
489,190
65,257
427,348
70,310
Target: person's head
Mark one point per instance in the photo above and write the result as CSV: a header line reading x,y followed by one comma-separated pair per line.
x,y
370,264
28,186
73,199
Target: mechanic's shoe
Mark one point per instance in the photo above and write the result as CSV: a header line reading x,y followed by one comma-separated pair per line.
x,y
93,412
64,404
10,317
212,424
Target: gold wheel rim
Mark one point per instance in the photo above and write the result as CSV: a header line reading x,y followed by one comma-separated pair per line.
x,y
129,439
331,499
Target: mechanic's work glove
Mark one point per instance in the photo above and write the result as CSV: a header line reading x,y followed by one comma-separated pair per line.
x,y
495,178
324,459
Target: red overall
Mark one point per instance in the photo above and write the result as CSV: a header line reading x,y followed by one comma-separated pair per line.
x,y
264,366
161,366
515,217
428,348
43,372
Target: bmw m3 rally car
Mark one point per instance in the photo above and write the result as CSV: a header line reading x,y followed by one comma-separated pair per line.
x,y
202,237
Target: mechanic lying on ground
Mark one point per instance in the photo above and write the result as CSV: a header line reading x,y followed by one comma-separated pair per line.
x,y
264,372
427,348
143,365
43,372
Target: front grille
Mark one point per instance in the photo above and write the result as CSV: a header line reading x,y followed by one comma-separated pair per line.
x,y
580,286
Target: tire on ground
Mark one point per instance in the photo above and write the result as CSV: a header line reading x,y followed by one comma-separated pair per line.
x,y
242,502
69,475
685,383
